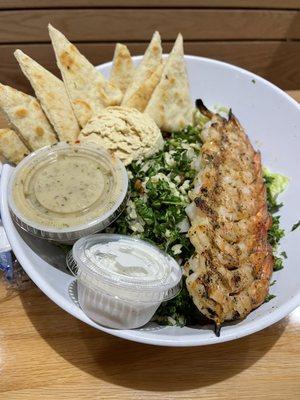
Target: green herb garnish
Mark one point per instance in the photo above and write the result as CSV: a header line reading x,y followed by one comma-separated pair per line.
x,y
180,311
295,226
269,297
275,184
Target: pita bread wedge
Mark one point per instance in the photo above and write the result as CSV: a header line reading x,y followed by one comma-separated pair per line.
x,y
25,115
171,106
122,69
88,90
53,97
140,98
11,146
146,76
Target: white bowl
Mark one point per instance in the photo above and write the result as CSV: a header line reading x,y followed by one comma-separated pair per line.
x,y
272,120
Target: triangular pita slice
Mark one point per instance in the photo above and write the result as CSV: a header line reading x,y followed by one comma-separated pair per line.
x,y
140,98
171,106
87,88
146,76
53,97
122,69
26,116
11,146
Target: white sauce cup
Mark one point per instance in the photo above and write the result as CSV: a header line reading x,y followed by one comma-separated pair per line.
x,y
116,297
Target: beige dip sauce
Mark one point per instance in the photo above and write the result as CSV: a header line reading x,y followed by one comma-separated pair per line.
x,y
68,188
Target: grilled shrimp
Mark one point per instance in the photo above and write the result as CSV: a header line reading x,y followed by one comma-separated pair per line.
x,y
229,273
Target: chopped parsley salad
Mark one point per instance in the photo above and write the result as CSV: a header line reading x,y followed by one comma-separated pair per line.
x,y
155,212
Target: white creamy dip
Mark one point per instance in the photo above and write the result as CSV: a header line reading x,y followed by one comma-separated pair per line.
x,y
121,258
122,280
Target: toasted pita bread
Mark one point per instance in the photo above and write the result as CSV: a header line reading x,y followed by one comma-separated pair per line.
x,y
122,69
53,97
11,146
145,75
140,98
88,90
171,106
26,116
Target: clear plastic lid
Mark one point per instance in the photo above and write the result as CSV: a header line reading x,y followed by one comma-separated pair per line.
x,y
126,267
66,191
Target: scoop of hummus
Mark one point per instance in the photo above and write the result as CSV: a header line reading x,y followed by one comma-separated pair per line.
x,y
128,133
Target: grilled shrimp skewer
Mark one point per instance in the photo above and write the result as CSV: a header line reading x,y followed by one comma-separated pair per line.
x,y
229,273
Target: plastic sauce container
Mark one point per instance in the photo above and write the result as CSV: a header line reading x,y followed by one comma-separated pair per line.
x,y
64,192
123,280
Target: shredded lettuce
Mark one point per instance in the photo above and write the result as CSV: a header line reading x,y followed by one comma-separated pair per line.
x,y
200,119
221,110
277,182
